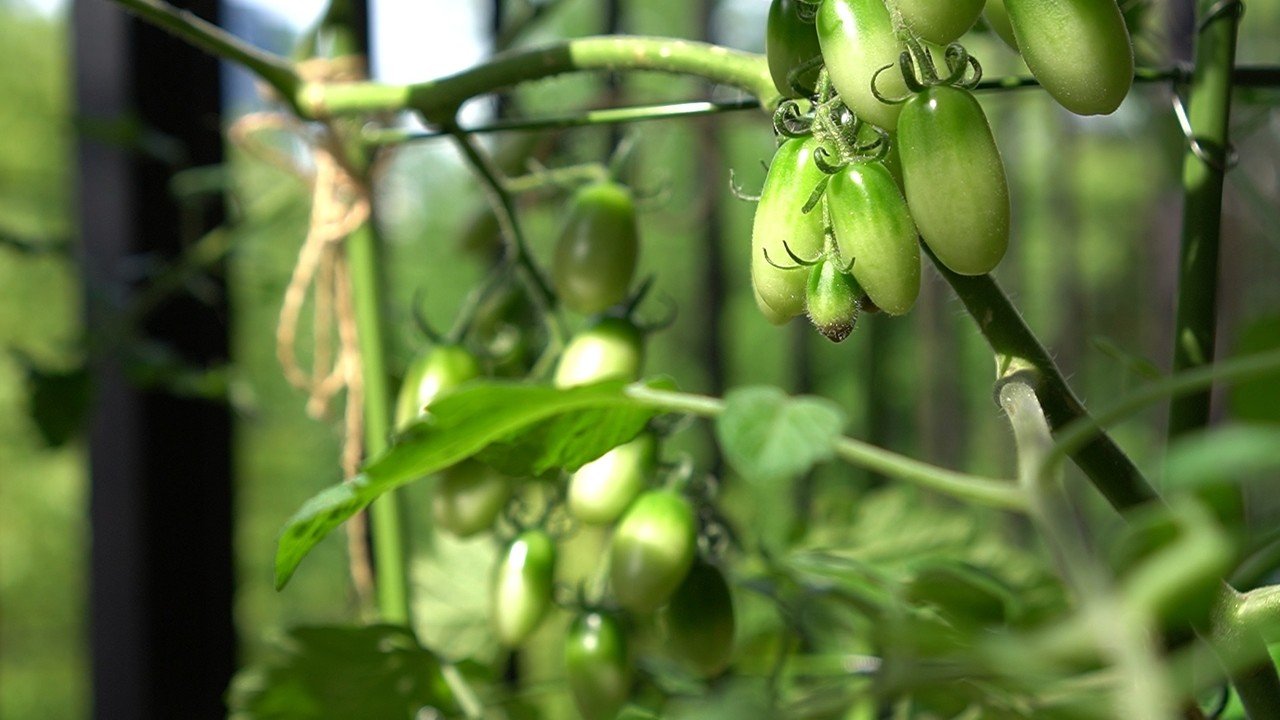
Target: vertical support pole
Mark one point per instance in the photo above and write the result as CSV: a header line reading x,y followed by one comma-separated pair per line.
x,y
161,572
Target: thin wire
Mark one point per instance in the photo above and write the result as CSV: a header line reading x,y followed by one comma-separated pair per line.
x,y
607,116
1229,158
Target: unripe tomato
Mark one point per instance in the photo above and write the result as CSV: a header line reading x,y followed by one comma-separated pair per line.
x,y
873,228
651,550
997,17
792,177
441,368
602,489
597,665
522,586
1079,50
789,43
858,39
611,348
954,179
595,258
832,300
468,497
940,21
700,621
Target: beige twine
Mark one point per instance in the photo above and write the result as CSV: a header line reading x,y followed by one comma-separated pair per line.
x,y
339,205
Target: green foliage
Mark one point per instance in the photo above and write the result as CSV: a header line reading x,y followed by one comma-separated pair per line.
x,y
337,673
768,437
520,428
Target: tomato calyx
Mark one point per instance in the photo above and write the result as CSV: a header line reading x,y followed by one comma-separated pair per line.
x,y
920,72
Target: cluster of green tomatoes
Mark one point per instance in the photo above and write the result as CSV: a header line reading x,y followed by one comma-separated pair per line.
x,y
882,142
654,570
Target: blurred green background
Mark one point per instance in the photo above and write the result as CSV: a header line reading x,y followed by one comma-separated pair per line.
x,y
1096,206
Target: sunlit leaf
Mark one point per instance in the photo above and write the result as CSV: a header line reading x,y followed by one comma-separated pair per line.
x,y
537,425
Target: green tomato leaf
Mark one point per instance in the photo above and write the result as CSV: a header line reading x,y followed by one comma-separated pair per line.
x,y
568,440
768,437
535,427
451,596
318,673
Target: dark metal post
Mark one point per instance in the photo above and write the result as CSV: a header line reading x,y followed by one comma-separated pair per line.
x,y
161,629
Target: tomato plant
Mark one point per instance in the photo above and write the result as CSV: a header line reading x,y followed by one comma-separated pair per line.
x,y
522,585
438,370
875,234
782,228
602,489
858,38
700,621
598,665
954,179
468,497
791,44
595,257
609,348
937,22
1079,50
855,593
651,550
833,300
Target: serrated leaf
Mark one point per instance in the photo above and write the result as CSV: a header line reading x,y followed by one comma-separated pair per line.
x,y
337,673
767,436
537,425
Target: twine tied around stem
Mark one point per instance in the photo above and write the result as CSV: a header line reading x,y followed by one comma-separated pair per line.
x,y
340,204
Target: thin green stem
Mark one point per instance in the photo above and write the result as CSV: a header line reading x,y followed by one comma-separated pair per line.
x,y
273,69
388,538
1240,648
505,210
1080,432
1106,465
1203,173
439,100
1122,635
974,488
605,116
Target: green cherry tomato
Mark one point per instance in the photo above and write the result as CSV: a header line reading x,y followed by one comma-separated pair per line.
x,y
610,348
954,179
997,17
468,497
873,228
522,586
790,43
597,665
651,550
595,258
940,21
1079,50
441,368
602,489
832,300
700,621
780,223
857,39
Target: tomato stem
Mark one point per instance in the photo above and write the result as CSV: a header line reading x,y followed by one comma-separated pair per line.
x,y
974,488
367,297
517,248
